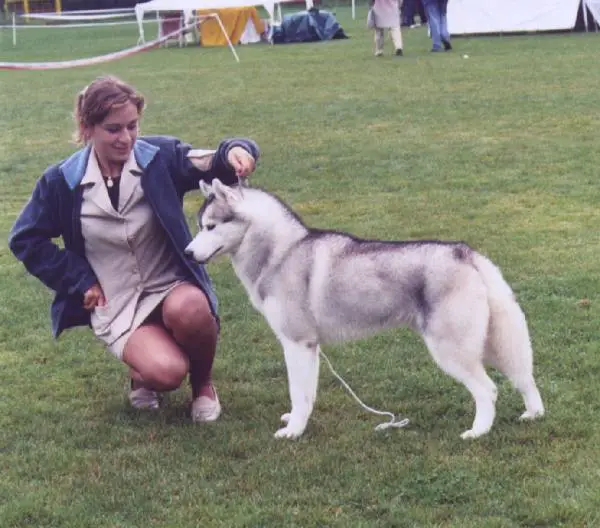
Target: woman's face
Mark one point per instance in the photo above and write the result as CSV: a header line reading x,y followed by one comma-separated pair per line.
x,y
114,137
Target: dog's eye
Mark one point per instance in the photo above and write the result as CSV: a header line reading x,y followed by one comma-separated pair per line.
x,y
209,227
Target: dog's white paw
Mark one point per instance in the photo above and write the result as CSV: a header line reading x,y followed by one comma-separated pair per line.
x,y
531,415
471,434
289,432
285,418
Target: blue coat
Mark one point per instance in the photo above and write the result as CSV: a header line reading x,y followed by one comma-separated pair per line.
x,y
54,210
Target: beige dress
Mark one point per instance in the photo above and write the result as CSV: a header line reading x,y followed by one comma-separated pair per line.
x,y
129,253
386,14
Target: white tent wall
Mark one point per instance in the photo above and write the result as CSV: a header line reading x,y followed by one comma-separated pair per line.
x,y
513,16
594,8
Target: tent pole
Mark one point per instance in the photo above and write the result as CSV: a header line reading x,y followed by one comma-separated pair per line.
x,y
14,30
227,37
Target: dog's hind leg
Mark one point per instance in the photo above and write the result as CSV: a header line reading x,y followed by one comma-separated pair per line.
x,y
508,349
508,346
302,363
474,377
456,340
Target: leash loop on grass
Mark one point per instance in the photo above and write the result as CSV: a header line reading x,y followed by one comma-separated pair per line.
x,y
396,423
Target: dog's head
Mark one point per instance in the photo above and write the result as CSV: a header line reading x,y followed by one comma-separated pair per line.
x,y
220,226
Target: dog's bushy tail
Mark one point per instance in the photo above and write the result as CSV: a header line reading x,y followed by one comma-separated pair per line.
x,y
499,292
508,335
508,344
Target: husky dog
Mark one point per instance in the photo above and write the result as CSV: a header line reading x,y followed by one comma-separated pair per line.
x,y
316,287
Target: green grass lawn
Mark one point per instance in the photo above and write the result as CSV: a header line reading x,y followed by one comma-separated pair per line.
x,y
499,149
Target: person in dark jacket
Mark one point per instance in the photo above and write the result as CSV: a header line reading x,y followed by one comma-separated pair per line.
x,y
117,205
408,11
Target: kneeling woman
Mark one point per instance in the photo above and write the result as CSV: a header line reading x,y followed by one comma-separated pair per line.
x,y
117,205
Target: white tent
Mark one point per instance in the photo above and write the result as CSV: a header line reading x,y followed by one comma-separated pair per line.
x,y
511,16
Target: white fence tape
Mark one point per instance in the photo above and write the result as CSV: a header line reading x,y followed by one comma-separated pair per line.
x,y
111,56
78,18
67,26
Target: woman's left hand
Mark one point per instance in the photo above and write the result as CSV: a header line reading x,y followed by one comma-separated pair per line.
x,y
242,162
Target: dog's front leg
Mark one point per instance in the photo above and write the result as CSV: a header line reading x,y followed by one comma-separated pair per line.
x,y
302,363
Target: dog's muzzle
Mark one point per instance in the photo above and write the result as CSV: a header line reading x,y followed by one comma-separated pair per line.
x,y
190,253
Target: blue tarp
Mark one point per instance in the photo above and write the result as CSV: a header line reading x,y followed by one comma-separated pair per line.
x,y
308,26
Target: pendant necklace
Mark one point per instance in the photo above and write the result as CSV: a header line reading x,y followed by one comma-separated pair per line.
x,y
109,182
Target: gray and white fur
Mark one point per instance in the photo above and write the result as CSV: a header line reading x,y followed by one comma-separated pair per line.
x,y
316,287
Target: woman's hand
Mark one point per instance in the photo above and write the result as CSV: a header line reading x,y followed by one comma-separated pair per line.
x,y
93,297
241,161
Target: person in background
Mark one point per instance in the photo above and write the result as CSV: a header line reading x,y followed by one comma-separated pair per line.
x,y
121,268
386,15
438,27
409,8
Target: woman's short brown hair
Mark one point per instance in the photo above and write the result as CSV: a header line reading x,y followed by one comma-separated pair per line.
x,y
96,100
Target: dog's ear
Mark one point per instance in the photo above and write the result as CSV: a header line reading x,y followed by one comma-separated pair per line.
x,y
224,192
205,189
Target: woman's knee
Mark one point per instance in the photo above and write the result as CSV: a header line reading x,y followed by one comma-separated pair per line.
x,y
187,310
169,373
160,378
158,360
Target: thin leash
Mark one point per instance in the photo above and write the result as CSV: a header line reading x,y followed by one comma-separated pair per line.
x,y
241,185
387,425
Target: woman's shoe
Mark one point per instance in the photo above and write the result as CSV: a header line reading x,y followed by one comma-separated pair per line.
x,y
205,409
143,398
